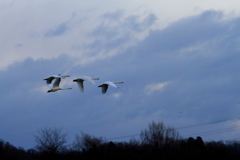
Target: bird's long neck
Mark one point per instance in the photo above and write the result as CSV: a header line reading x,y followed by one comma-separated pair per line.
x,y
117,82
63,76
65,88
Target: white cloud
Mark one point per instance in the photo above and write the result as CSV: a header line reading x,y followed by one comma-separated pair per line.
x,y
149,89
86,37
116,95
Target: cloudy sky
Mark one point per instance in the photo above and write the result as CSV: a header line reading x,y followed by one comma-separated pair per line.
x,y
179,62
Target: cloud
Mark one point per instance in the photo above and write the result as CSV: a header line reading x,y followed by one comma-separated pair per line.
x,y
113,16
114,35
58,31
19,45
200,54
125,28
116,95
149,89
133,23
185,33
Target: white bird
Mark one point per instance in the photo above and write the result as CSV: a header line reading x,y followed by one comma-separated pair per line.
x,y
106,84
56,87
84,78
49,79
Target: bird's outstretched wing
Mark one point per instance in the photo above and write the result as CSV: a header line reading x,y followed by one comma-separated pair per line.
x,y
80,85
49,80
56,83
89,79
104,88
111,84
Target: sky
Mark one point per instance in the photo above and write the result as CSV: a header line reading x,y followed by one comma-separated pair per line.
x,y
179,62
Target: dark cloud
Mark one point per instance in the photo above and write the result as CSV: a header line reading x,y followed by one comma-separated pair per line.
x,y
201,77
185,33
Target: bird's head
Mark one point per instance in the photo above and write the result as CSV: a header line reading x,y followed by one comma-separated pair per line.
x,y
75,80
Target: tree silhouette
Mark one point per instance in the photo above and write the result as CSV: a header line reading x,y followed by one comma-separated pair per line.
x,y
51,140
159,135
86,142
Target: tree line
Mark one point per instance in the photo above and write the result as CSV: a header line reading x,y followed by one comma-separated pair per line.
x,y
157,141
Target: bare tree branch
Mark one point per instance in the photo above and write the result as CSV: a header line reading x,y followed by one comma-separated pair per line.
x,y
50,140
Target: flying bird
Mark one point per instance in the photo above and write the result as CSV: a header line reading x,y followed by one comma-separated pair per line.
x,y
84,78
52,77
106,84
56,87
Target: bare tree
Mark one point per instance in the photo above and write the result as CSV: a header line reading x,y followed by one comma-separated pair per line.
x,y
86,141
158,135
51,140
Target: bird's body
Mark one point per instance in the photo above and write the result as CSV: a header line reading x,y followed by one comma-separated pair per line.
x,y
52,77
105,85
56,87
82,79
